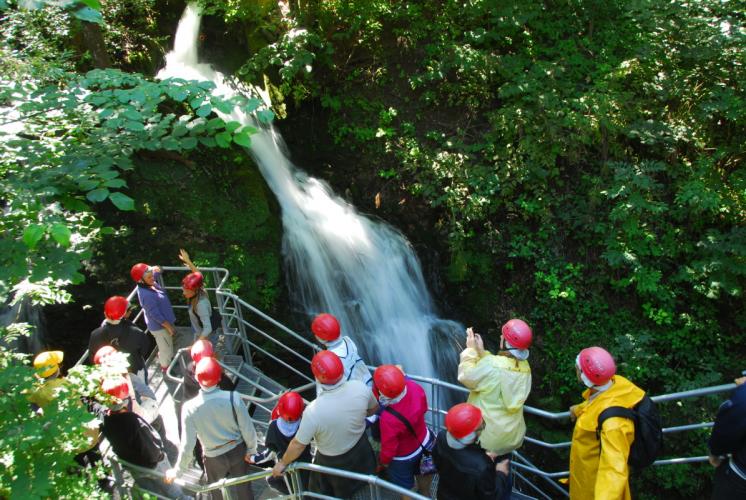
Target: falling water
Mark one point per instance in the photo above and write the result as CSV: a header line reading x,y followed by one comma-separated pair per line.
x,y
337,260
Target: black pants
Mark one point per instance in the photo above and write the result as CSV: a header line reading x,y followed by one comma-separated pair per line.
x,y
359,459
727,485
229,464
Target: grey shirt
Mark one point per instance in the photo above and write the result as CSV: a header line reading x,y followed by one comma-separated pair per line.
x,y
209,416
336,419
204,310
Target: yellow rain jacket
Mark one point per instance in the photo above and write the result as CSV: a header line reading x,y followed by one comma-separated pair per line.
x,y
599,470
499,386
47,392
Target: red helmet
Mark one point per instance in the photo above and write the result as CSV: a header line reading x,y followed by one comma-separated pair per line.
x,y
138,270
597,365
115,307
389,380
193,281
116,387
102,353
463,419
518,333
208,372
201,349
326,327
289,407
327,367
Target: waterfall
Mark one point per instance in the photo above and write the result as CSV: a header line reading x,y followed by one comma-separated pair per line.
x,y
361,270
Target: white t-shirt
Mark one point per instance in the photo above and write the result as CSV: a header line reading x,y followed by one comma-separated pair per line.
x,y
336,419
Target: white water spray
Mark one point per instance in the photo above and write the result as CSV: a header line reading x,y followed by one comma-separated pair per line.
x,y
337,261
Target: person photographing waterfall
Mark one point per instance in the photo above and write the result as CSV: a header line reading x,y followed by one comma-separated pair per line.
x,y
325,328
499,385
336,422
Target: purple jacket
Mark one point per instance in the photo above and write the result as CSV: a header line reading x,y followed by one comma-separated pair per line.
x,y
156,305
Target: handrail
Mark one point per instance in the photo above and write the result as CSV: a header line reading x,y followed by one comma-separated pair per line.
x,y
267,318
232,309
131,295
293,467
180,380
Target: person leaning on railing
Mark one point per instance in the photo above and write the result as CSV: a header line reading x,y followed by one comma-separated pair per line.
x,y
728,446
336,422
286,418
159,315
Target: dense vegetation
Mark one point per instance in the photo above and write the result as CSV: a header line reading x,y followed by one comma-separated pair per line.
x,y
580,162
585,156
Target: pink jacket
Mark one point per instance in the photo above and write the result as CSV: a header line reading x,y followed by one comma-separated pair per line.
x,y
396,439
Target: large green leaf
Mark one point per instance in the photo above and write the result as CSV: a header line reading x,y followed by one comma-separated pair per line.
x,y
223,139
122,201
98,195
61,233
242,139
89,15
32,234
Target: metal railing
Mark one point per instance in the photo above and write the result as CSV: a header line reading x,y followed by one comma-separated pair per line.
x,y
375,483
437,413
219,276
240,321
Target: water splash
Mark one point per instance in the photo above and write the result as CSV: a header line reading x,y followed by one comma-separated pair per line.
x,y
337,260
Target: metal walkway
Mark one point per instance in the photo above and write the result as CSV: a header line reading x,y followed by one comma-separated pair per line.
x,y
251,343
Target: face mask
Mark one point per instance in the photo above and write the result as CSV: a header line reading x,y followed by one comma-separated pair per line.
x,y
288,429
385,401
460,444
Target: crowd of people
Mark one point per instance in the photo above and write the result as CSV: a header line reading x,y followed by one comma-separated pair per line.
x,y
356,412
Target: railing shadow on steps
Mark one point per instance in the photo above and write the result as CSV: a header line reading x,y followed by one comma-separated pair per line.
x,y
239,322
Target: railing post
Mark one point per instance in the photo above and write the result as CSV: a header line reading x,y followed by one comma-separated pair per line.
x,y
374,491
242,333
297,489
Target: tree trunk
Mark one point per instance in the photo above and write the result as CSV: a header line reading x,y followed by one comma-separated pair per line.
x,y
93,41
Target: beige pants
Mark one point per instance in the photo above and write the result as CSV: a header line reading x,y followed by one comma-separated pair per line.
x,y
165,343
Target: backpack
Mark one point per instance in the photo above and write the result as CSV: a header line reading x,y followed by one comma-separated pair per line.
x,y
648,442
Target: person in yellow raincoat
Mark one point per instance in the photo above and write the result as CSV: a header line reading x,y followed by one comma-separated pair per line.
x,y
47,366
499,385
598,467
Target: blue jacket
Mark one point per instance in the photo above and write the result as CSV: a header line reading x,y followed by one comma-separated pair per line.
x,y
729,433
156,305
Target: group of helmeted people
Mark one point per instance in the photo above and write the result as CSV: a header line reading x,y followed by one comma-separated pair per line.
x,y
355,412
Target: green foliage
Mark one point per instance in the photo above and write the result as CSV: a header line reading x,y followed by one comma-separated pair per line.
x,y
132,36
85,10
65,140
587,173
38,447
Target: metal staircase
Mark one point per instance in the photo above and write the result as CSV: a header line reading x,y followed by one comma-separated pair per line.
x,y
251,345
